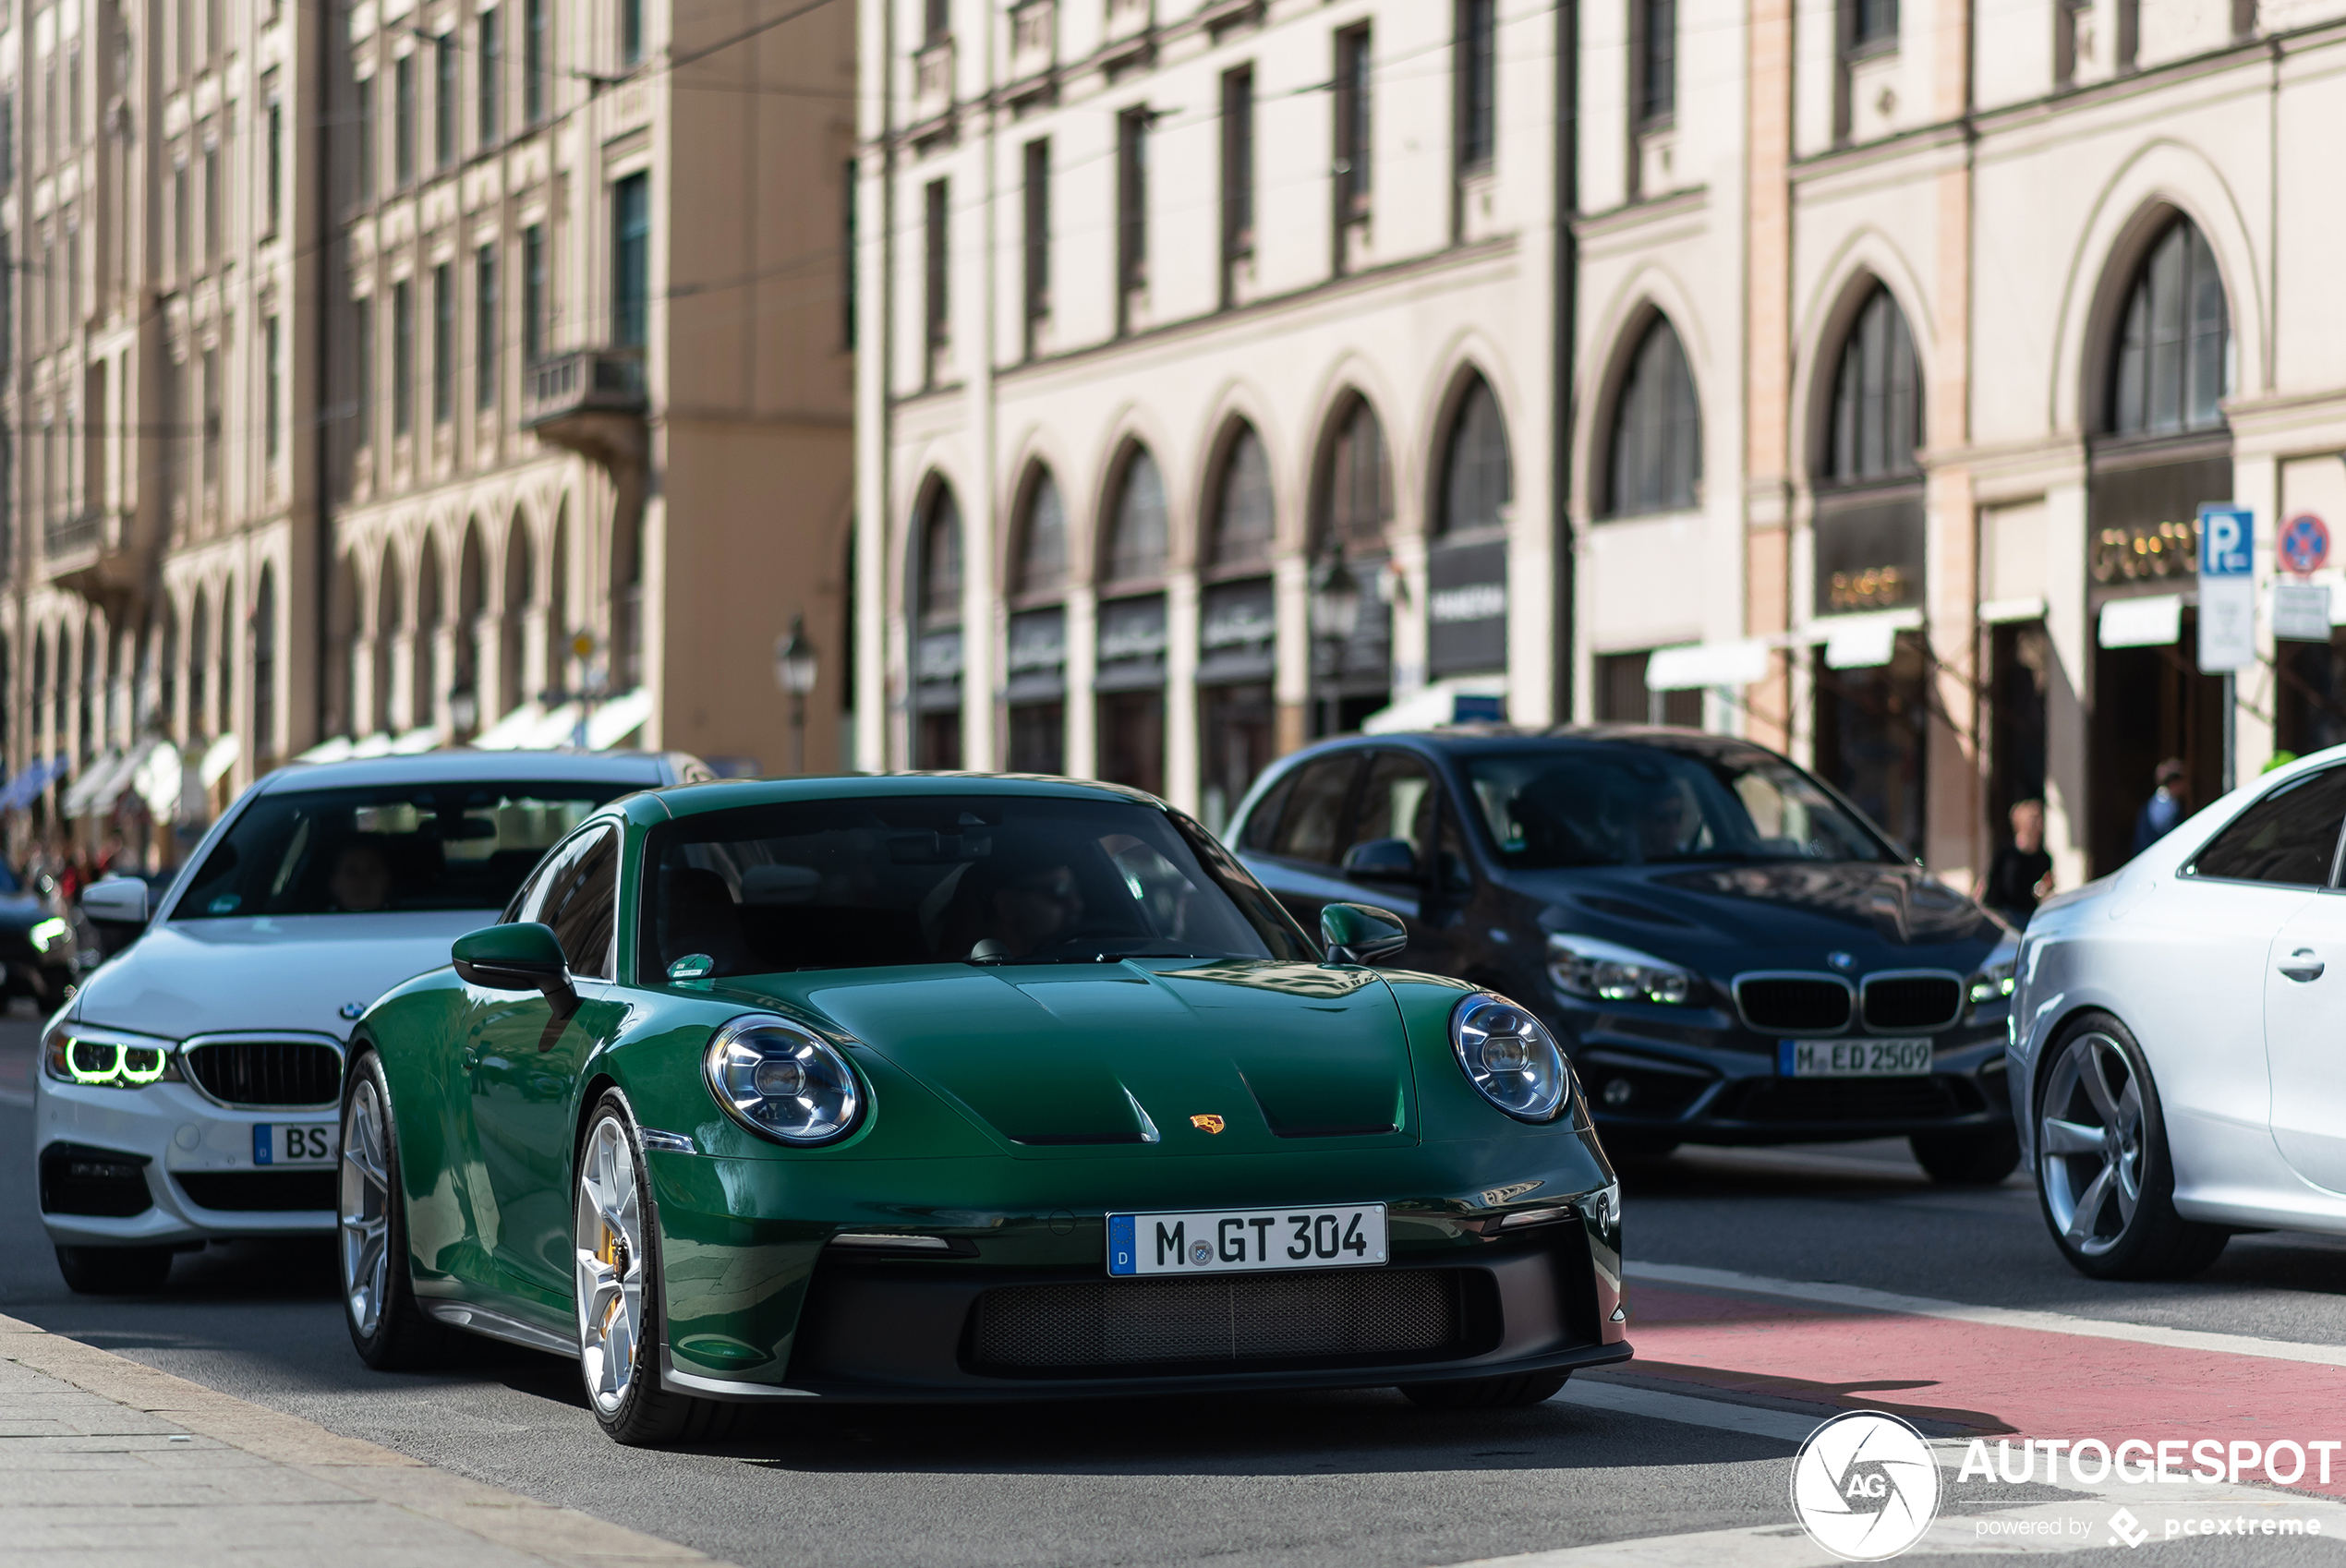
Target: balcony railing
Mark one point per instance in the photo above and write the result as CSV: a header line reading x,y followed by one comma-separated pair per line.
x,y
932,79
66,539
585,381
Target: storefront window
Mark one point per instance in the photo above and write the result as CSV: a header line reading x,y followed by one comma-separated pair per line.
x,y
1035,688
1129,678
1869,739
1353,507
936,650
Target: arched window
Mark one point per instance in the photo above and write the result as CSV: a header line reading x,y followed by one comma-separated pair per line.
x,y
1478,477
2172,361
1356,493
1244,510
1042,545
1136,531
199,668
940,583
386,635
513,621
1877,397
423,698
1657,429
264,666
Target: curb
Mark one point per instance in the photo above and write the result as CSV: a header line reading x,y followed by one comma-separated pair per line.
x,y
500,1519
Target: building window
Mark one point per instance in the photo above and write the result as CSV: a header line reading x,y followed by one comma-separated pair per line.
x,y
1131,211
485,327
214,202
1477,83
403,356
632,260
937,600
492,75
938,18
1246,509
1877,397
1358,487
1657,61
1657,429
365,134
264,666
444,94
274,163
631,31
182,228
362,369
535,50
1478,473
1355,167
1238,176
1041,550
1873,26
403,126
2174,361
1038,239
443,344
533,294
937,272
272,412
210,471
848,260
1623,696
1136,531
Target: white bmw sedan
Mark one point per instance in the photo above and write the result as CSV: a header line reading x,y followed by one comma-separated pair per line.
x,y
189,1091
2174,1058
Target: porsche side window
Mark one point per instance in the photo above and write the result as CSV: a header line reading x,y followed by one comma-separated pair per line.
x,y
1314,814
581,897
2289,838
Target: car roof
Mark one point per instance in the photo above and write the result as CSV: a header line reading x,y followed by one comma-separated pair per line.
x,y
463,766
689,800
1501,739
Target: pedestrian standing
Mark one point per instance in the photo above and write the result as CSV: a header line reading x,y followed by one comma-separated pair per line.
x,y
2169,802
2020,874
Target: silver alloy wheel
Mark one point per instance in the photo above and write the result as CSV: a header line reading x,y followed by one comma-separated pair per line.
x,y
609,1235
365,1210
2091,1137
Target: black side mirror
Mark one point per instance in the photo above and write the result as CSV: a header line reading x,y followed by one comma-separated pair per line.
x,y
525,956
1382,860
1358,933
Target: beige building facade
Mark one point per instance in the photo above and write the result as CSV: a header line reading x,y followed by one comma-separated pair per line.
x,y
473,372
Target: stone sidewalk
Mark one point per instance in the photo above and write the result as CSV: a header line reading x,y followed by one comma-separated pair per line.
x,y
106,1461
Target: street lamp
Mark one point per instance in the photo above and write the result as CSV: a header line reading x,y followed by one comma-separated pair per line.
x,y
464,710
796,666
1335,610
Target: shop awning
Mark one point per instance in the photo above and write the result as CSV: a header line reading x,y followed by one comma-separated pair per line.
x,y
2153,622
512,730
160,779
218,759
1463,699
333,750
614,721
1706,664
83,793
2004,613
36,777
422,738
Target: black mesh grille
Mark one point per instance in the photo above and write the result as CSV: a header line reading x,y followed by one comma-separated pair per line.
x,y
261,1192
1246,1318
1852,1100
1920,1001
1794,1003
267,1072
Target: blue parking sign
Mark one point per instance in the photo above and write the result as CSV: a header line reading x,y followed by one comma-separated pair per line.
x,y
2227,539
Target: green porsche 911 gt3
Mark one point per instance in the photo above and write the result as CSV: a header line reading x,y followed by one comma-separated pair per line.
x,y
941,1088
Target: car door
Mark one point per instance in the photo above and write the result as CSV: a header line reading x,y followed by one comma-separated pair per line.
x,y
1401,799
523,1067
2306,993
1297,857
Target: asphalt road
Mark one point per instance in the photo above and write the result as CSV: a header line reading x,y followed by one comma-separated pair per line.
x,y
1350,1479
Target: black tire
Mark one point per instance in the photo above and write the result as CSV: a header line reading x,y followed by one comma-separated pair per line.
x,y
115,1271
388,1328
1970,1159
645,1412
1487,1394
2083,1176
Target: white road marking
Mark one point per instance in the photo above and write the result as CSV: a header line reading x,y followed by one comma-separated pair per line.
x,y
1999,1317
1689,1409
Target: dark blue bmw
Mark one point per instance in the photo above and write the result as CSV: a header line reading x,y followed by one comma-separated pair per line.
x,y
1729,950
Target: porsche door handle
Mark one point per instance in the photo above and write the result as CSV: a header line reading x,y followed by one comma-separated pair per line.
x,y
2302,966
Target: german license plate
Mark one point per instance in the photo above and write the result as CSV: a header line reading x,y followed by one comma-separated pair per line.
x,y
1853,1059
292,1143
1231,1241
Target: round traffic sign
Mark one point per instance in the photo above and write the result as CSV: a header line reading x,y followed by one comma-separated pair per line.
x,y
2304,545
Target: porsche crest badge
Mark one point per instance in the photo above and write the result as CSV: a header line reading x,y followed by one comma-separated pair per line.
x,y
1209,1121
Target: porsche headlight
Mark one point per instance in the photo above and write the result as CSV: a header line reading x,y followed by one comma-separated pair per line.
x,y
1996,980
108,1058
1607,972
1510,1056
782,1082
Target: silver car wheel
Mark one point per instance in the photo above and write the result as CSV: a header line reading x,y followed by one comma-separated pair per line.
x,y
365,1210
2091,1135
609,1232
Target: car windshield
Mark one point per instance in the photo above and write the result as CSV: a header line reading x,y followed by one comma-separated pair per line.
x,y
439,846
1616,803
859,883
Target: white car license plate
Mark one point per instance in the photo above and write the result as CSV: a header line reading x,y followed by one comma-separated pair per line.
x,y
292,1143
1230,1241
1853,1059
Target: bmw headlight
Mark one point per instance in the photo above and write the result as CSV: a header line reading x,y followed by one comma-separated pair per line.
x,y
108,1058
1511,1057
1605,971
1996,981
782,1082
47,934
